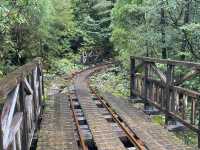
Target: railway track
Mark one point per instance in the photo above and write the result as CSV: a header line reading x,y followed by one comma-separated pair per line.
x,y
98,126
77,117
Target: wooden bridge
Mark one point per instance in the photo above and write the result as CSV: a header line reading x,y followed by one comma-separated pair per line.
x,y
163,89
21,105
79,116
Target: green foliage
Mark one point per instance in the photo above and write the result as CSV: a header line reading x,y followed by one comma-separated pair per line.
x,y
65,66
30,29
158,119
129,29
188,137
137,28
112,81
93,20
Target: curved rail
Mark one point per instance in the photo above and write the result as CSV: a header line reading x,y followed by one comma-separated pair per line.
x,y
125,127
134,139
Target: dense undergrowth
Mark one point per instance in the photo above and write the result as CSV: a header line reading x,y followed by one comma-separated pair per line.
x,y
63,66
114,80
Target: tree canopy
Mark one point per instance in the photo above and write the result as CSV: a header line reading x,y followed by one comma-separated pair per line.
x,y
34,28
108,28
160,28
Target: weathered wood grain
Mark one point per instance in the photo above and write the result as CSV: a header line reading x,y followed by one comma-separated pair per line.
x,y
8,83
20,93
8,111
164,91
158,72
170,62
15,126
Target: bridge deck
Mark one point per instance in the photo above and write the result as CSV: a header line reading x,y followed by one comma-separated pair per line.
x,y
57,126
154,136
104,137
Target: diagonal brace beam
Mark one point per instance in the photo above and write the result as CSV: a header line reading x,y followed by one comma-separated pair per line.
x,y
158,72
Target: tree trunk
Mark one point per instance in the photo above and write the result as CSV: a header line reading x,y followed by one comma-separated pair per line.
x,y
163,34
186,21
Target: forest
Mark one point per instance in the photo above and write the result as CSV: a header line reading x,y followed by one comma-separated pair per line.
x,y
100,28
66,33
69,34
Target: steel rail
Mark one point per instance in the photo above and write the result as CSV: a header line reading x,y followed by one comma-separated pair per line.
x,y
125,127
130,134
82,142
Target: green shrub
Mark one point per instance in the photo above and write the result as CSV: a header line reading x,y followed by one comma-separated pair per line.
x,y
114,81
65,65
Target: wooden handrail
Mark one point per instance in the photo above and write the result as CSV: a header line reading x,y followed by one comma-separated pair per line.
x,y
15,77
163,89
21,95
168,61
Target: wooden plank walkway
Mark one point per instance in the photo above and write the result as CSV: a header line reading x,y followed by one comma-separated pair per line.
x,y
154,136
57,125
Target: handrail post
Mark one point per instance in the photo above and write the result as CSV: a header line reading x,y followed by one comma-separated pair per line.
x,y
34,95
198,100
169,83
23,109
1,135
146,67
40,86
133,79
42,74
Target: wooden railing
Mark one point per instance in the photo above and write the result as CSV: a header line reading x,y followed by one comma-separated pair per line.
x,y
157,82
21,102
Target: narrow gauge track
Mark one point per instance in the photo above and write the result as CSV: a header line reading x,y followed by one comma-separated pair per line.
x,y
125,127
81,138
84,101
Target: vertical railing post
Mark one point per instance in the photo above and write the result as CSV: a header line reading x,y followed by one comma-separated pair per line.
x,y
43,92
23,109
169,83
34,95
193,110
146,67
173,100
133,79
18,141
198,105
40,86
1,135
